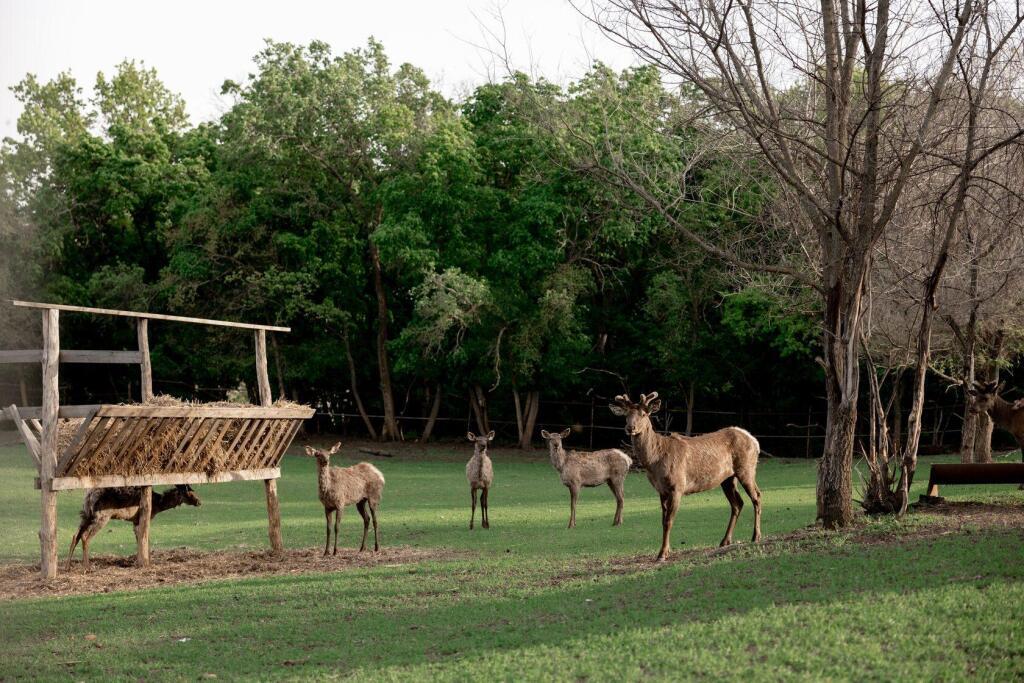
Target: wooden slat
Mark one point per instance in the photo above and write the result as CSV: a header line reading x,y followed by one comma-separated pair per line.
x,y
278,448
106,430
170,478
72,356
65,462
106,410
36,412
21,356
215,433
189,454
29,439
193,425
252,443
127,434
262,454
205,411
150,316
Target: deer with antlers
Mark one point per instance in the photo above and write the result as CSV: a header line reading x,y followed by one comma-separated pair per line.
x,y
679,465
1005,415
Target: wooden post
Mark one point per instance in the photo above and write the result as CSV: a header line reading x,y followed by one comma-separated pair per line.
x,y
48,446
270,485
146,367
262,376
142,530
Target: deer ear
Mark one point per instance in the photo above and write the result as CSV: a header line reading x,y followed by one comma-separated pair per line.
x,y
1000,387
310,451
545,434
617,409
335,448
566,432
490,435
654,406
471,436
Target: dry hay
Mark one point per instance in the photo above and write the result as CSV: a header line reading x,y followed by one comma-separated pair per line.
x,y
155,449
185,566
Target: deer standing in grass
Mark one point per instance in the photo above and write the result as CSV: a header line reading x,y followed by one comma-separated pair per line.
x,y
680,465
1005,415
361,484
578,470
102,505
480,474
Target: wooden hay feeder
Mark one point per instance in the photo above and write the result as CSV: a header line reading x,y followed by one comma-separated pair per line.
x,y
147,445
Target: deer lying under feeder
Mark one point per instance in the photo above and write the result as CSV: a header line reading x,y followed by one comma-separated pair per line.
x,y
102,505
578,470
361,484
678,465
480,475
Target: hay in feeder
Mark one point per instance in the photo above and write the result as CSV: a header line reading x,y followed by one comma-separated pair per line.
x,y
133,446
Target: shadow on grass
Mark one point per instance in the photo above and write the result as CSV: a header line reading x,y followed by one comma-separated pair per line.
x,y
436,612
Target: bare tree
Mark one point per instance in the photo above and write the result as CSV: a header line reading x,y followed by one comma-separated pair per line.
x,y
840,98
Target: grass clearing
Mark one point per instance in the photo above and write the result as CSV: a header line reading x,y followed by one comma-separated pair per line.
x,y
920,598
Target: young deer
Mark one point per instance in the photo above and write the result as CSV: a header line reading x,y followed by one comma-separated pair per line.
x,y
361,484
679,465
480,474
578,470
102,505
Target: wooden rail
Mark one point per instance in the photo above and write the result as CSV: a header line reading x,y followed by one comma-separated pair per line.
x,y
97,356
147,316
73,483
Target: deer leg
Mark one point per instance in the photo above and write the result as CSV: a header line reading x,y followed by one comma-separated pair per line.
x,y
361,506
373,515
616,487
735,504
74,542
472,514
750,486
327,543
573,495
671,507
337,523
94,528
485,509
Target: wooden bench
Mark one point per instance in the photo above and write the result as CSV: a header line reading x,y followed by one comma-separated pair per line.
x,y
975,473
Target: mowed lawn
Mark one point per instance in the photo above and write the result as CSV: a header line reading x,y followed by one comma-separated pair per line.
x,y
529,599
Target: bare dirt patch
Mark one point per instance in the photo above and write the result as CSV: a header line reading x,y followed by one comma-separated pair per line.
x,y
184,566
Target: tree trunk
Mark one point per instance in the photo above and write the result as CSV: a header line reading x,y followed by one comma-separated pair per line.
x,y
478,414
390,429
842,388
983,439
690,397
435,407
897,413
355,387
519,412
532,408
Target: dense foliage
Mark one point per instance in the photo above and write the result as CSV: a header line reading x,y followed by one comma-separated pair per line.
x,y
417,246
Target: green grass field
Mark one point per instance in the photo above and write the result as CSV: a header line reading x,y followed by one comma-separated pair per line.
x,y
529,599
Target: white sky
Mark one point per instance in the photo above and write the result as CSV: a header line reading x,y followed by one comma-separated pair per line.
x,y
196,45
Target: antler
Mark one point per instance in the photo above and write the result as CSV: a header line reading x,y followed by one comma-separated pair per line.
x,y
623,400
645,399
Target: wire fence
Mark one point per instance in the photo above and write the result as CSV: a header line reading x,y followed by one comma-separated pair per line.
x,y
788,433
